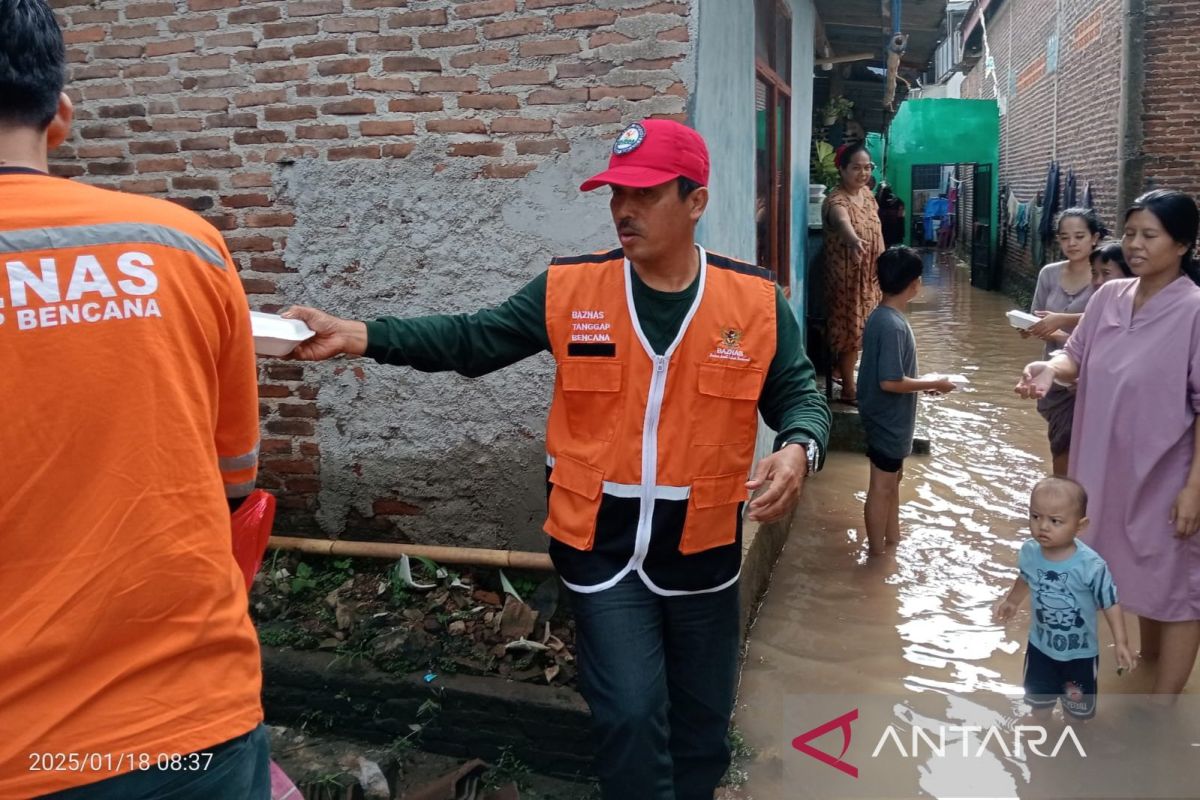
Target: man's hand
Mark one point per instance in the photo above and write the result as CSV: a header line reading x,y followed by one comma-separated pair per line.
x,y
941,386
335,336
785,472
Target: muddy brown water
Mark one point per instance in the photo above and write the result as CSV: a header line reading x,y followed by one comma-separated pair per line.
x,y
918,623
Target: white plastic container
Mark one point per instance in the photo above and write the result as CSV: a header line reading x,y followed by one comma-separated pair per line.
x,y
1022,320
276,336
959,381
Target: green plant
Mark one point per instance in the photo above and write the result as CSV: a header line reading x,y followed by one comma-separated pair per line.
x,y
303,580
741,754
837,108
508,769
823,169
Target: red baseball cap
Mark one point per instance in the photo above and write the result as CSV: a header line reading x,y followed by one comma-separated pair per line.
x,y
651,152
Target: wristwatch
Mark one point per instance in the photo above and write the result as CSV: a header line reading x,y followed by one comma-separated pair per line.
x,y
812,450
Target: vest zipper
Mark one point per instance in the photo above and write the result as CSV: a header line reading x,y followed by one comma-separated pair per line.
x,y
658,382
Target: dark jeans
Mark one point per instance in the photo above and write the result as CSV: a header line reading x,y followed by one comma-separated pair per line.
x,y
659,674
239,769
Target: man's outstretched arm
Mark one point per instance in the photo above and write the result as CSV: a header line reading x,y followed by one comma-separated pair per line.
x,y
470,344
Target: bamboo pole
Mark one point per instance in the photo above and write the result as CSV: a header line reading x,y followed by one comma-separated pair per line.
x,y
470,556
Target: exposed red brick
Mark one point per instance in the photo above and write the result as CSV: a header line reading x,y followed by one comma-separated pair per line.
x,y
93,15
381,128
258,286
651,63
484,8
260,55
469,125
96,33
541,146
132,31
323,89
171,46
622,92
418,19
520,77
679,34
449,38
411,64
314,8
363,5
263,98
176,124
476,149
236,39
490,101
147,146
161,165
269,264
350,25
205,143
121,111
513,27
255,14
289,113
194,23
377,44
202,5
584,69
359,105
508,170
196,63
444,83
294,72
477,58
259,137
344,66
188,183
289,30
250,244
415,104
360,151
557,96
607,37
521,125
274,390
216,160
365,84
247,180
398,150
328,47
99,151
532,4
118,51
584,19
110,168
145,185
273,219
322,132
285,372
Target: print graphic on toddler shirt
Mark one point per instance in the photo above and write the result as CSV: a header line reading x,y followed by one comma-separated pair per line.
x,y
1055,604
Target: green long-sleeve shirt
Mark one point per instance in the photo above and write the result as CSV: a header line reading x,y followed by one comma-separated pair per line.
x,y
479,343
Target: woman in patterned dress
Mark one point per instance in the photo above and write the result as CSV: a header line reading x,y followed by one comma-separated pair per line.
x,y
853,241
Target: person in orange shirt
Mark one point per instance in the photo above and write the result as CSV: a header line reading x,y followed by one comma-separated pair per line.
x,y
130,667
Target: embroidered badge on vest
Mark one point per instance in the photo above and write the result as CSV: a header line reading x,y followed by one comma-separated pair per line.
x,y
729,346
630,139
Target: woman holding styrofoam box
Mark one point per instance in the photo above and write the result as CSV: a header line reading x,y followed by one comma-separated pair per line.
x,y
1062,293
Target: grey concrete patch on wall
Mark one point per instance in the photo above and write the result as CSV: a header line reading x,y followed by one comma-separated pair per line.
x,y
424,236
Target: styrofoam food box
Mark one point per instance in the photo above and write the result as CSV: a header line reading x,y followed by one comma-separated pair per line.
x,y
959,381
277,336
1022,320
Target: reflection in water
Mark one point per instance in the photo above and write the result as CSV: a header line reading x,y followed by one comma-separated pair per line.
x,y
917,623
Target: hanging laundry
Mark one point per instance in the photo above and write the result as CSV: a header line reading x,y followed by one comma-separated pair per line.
x,y
1069,195
1011,205
1022,223
1038,248
1087,195
1050,202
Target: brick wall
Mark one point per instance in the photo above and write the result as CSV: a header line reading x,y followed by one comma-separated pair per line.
x,y
1074,123
1171,104
212,104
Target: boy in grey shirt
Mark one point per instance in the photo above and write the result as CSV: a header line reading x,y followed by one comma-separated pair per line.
x,y
887,387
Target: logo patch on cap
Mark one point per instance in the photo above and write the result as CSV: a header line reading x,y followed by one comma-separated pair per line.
x,y
630,139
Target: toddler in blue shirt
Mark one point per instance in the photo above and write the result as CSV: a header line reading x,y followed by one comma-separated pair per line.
x,y
1069,581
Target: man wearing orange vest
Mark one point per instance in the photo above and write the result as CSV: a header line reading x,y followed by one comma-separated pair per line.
x,y
666,354
129,667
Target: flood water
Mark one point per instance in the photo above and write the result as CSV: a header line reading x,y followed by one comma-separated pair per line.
x,y
916,624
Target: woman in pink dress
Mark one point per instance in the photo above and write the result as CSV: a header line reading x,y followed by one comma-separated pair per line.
x,y
1136,355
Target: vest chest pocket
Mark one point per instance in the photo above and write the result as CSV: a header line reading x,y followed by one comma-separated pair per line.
x,y
727,403
591,391
712,513
574,502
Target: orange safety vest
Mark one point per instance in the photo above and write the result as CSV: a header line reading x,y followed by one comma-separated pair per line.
x,y
627,423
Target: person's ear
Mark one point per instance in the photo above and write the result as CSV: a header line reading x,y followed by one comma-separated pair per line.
x,y
60,126
697,203
1083,525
